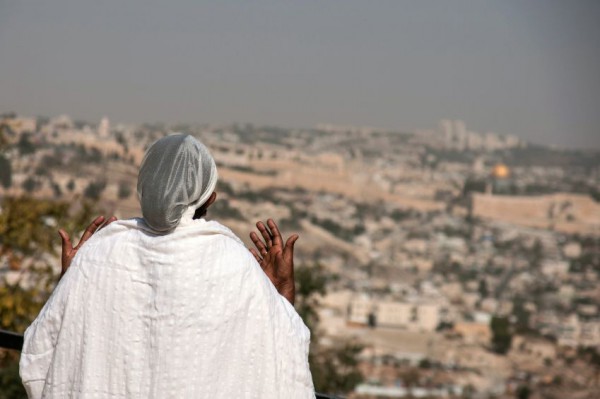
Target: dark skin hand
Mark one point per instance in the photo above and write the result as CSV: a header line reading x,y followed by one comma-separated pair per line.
x,y
68,251
275,258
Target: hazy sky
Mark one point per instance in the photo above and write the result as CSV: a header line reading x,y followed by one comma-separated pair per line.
x,y
530,68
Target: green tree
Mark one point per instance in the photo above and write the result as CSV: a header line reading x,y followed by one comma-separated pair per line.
x,y
311,283
483,288
56,189
28,225
334,367
501,334
523,392
124,190
5,172
521,314
469,392
94,189
24,145
536,255
28,233
30,185
4,129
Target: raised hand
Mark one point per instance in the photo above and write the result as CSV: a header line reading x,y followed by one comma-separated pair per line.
x,y
275,258
68,251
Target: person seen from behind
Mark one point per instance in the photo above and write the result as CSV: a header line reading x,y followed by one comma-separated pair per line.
x,y
171,305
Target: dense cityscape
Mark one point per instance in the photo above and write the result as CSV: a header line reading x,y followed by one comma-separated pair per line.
x,y
454,263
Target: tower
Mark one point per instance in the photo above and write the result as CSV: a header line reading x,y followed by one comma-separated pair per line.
x,y
104,128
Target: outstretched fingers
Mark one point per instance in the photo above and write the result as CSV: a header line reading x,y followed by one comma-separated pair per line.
x,y
109,221
277,240
67,248
65,241
258,243
265,233
291,241
254,253
68,252
91,229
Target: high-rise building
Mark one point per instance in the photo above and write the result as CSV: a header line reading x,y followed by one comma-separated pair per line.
x,y
104,128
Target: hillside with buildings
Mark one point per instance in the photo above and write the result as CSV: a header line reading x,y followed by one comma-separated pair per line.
x,y
467,264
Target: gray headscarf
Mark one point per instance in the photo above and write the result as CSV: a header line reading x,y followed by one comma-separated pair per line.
x,y
177,172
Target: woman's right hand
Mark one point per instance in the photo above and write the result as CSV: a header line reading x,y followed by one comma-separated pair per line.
x,y
68,251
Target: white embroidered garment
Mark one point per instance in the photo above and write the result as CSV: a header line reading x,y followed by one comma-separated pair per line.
x,y
184,315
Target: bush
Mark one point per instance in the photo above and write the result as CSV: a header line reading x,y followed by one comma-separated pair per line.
x,y
124,190
30,185
501,334
25,146
24,234
94,189
5,172
222,209
56,190
334,368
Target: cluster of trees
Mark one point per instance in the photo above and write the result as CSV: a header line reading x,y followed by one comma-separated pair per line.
x,y
334,367
222,209
5,172
5,166
338,230
27,236
94,189
502,334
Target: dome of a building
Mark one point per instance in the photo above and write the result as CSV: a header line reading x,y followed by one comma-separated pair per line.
x,y
501,171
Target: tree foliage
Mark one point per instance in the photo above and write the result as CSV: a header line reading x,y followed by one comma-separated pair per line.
x,y
501,334
28,236
28,225
3,133
94,189
5,172
30,185
124,190
334,367
11,382
311,283
24,145
523,392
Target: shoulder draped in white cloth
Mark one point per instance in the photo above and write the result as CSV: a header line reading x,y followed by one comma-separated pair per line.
x,y
184,315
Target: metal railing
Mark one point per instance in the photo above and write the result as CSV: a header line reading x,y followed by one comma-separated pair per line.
x,y
14,341
11,340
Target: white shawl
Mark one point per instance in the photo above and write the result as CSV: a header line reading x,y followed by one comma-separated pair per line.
x,y
184,315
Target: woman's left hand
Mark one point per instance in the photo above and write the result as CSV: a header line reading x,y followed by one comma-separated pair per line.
x,y
68,251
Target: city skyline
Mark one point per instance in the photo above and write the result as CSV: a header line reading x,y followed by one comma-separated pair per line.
x,y
525,69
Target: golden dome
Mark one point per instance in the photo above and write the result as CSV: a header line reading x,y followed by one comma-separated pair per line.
x,y
501,171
